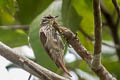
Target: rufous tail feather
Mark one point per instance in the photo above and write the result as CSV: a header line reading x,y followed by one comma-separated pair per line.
x,y
64,68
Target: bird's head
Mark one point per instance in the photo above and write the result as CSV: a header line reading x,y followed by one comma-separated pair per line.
x,y
49,19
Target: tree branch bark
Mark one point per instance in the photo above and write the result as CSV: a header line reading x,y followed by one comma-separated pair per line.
x,y
28,65
15,27
97,67
73,40
116,7
98,39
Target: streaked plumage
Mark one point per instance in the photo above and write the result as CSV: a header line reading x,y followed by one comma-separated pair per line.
x,y
52,42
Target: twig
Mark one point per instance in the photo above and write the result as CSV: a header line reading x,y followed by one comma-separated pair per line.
x,y
117,21
111,46
28,65
14,27
73,40
29,77
107,15
116,7
118,11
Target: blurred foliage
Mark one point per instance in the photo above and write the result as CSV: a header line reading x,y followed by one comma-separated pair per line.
x,y
7,12
69,19
77,15
28,10
86,42
13,38
112,65
85,10
75,18
106,34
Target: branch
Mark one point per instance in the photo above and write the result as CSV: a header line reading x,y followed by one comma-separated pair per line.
x,y
28,65
111,46
23,27
116,7
118,11
97,67
73,40
107,15
98,31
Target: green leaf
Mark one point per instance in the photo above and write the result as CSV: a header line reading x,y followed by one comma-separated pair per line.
x,y
111,63
8,5
109,5
70,17
106,34
114,69
2,3
40,53
84,9
76,15
13,38
29,9
6,18
80,64
87,43
7,11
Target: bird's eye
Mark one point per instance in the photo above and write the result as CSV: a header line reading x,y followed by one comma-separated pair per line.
x,y
48,17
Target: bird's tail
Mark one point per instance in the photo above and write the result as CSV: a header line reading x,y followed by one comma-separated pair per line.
x,y
62,66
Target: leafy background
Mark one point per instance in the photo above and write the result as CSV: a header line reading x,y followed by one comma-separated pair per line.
x,y
77,15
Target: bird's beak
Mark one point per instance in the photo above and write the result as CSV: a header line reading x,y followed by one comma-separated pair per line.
x,y
56,16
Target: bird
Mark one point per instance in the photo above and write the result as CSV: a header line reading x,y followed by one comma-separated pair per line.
x,y
52,42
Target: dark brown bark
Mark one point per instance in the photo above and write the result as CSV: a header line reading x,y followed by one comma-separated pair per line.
x,y
116,7
97,26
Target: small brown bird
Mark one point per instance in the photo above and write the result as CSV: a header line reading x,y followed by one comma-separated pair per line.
x,y
52,42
